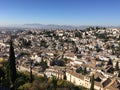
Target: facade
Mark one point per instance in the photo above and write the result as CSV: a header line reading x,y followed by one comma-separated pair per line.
x,y
81,80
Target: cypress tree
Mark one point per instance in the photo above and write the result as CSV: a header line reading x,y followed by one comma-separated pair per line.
x,y
65,77
119,73
84,71
117,66
31,78
92,83
110,62
11,65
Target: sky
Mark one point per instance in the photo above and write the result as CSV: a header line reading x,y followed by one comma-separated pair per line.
x,y
62,12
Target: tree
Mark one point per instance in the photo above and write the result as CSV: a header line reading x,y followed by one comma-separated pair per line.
x,y
117,51
54,81
110,62
117,66
2,74
84,71
78,34
97,28
52,63
60,63
43,64
31,78
119,73
43,43
79,70
76,49
65,77
92,83
25,43
12,66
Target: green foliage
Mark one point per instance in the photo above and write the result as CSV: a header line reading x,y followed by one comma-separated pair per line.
x,y
111,70
119,73
60,82
26,86
43,64
117,66
8,72
117,51
2,73
92,83
78,34
20,81
65,77
41,83
76,49
82,70
11,67
31,76
4,80
54,82
79,70
110,62
25,43
102,36
43,43
29,32
57,62
97,28
21,54
22,78
66,60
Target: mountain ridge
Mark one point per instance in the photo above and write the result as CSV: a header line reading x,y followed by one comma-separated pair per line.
x,y
51,26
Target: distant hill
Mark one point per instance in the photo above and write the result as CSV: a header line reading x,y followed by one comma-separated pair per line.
x,y
49,26
42,26
53,26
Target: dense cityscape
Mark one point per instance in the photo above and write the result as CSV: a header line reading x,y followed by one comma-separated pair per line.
x,y
83,59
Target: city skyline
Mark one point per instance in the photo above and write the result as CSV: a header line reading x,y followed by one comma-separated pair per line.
x,y
62,12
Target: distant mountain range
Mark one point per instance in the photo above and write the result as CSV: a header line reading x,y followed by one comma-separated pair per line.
x,y
49,26
53,26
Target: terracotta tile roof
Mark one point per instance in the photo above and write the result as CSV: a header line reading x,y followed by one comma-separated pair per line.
x,y
72,72
97,74
103,84
114,85
112,88
98,84
106,82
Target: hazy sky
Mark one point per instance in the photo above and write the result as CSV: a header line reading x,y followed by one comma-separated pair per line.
x,y
70,12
